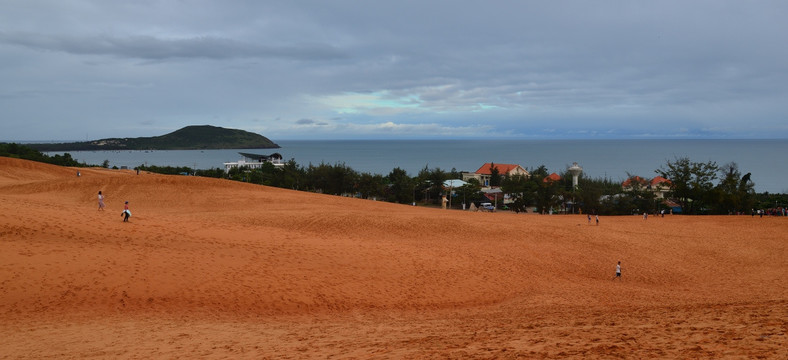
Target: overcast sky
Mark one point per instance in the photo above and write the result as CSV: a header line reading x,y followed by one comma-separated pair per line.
x,y
76,70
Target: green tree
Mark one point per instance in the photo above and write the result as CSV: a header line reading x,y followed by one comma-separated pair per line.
x,y
454,174
213,173
766,200
401,187
691,182
289,176
238,173
592,191
734,193
18,151
521,191
430,184
335,179
469,192
546,195
495,175
370,185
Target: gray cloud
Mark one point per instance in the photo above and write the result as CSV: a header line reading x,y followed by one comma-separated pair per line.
x,y
153,48
377,69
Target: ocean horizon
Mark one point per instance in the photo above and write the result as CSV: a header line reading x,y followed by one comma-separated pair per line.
x,y
609,159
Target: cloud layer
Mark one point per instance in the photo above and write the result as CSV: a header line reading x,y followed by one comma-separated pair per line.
x,y
406,69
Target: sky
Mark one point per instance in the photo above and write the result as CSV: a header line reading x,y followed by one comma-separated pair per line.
x,y
316,69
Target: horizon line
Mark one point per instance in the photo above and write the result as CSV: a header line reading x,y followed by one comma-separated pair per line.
x,y
454,139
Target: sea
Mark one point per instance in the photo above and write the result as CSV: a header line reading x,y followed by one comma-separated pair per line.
x,y
608,159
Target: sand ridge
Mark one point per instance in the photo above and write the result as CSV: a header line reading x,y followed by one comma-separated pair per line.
x,y
214,268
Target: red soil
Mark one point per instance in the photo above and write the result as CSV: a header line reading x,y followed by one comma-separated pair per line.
x,y
214,268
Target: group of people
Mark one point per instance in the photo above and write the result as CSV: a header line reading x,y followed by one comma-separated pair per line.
x,y
778,211
126,214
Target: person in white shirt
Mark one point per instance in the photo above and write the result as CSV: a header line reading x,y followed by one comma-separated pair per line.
x,y
618,271
100,201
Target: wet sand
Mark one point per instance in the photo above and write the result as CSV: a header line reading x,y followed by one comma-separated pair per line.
x,y
211,268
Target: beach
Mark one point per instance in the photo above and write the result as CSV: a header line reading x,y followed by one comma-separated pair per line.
x,y
210,268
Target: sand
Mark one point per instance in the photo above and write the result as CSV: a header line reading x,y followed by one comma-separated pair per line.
x,y
210,268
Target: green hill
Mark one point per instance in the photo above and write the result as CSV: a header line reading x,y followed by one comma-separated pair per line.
x,y
189,138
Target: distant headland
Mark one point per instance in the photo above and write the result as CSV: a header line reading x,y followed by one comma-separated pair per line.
x,y
195,137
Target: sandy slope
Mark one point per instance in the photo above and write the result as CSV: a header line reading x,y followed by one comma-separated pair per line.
x,y
219,269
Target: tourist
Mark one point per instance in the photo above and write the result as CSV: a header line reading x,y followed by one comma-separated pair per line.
x,y
597,220
126,213
618,271
589,219
100,201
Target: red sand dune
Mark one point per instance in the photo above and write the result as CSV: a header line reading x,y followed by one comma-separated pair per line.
x,y
220,269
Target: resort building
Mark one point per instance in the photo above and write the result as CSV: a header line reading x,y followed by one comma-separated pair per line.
x,y
658,185
551,178
484,173
255,161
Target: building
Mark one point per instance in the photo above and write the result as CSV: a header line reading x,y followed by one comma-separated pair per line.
x,y
551,178
634,182
484,173
255,161
658,185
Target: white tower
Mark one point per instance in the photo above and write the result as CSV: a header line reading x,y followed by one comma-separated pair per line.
x,y
575,170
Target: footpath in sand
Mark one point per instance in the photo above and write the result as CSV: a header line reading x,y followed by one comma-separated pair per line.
x,y
219,269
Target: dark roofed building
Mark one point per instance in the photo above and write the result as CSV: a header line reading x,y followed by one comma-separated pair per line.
x,y
255,161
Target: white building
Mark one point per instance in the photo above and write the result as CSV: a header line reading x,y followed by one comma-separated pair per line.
x,y
255,161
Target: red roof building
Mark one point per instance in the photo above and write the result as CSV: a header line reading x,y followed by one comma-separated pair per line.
x,y
660,181
484,173
658,185
629,183
552,178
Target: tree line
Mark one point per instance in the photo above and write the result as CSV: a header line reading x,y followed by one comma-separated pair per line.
x,y
19,151
698,188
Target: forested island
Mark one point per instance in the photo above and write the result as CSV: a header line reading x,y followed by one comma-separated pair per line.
x,y
196,137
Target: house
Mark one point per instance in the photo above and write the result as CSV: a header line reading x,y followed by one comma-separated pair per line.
x,y
634,182
255,161
552,178
658,185
484,173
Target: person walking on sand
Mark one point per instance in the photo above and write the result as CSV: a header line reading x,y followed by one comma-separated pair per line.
x,y
618,271
597,220
589,219
100,201
126,213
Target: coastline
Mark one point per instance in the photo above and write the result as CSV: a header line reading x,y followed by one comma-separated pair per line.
x,y
608,159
